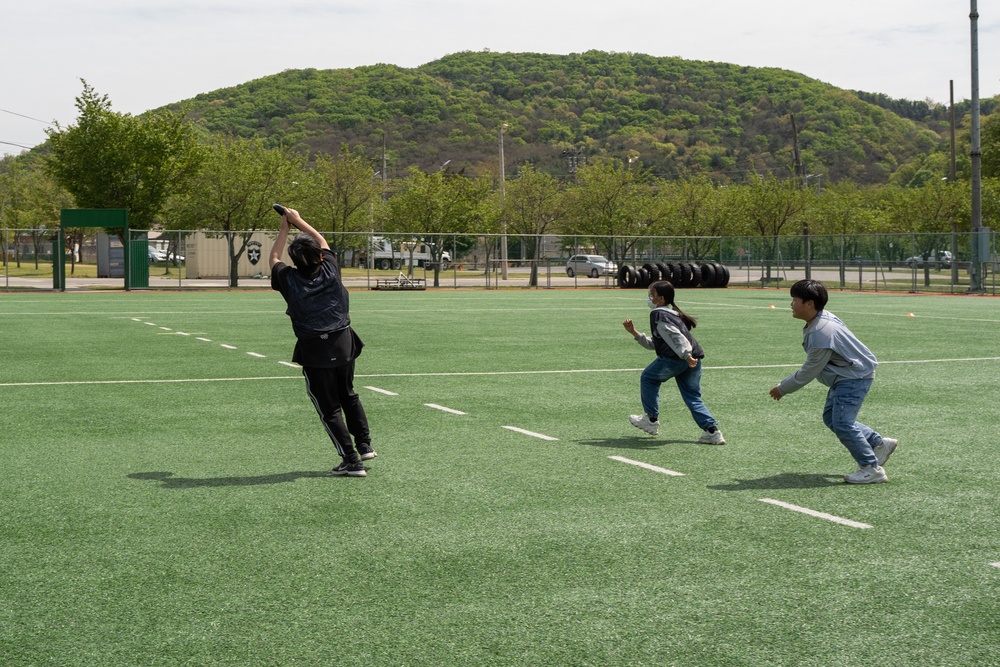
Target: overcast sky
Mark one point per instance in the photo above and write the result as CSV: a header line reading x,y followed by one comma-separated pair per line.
x,y
145,54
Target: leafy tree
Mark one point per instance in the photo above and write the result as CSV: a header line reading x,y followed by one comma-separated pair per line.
x,y
432,206
341,192
612,205
114,160
30,200
768,207
239,181
531,205
990,143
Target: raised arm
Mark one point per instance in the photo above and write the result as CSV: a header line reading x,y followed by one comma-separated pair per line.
x,y
279,243
296,220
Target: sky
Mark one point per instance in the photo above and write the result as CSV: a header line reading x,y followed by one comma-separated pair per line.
x,y
149,53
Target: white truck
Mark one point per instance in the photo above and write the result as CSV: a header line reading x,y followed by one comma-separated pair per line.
x,y
383,254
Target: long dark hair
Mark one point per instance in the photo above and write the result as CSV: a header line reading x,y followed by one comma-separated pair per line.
x,y
666,290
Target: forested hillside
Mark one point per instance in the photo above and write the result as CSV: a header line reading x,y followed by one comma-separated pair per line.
x,y
672,116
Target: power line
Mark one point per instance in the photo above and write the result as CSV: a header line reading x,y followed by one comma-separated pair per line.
x,y
13,113
11,143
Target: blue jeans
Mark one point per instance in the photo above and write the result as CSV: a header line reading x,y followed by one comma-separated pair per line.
x,y
840,414
688,382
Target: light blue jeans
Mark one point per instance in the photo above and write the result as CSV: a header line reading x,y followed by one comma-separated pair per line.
x,y
840,414
688,382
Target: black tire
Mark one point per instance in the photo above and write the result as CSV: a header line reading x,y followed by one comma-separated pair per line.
x,y
626,277
653,271
385,264
724,280
594,273
695,276
707,275
664,271
682,274
570,273
673,273
643,278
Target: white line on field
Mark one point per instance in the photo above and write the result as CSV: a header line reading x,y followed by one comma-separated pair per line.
x,y
166,328
444,409
152,324
207,340
255,354
995,564
228,347
531,433
290,364
819,515
92,382
383,391
647,466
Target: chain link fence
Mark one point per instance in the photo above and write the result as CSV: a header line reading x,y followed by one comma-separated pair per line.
x,y
236,260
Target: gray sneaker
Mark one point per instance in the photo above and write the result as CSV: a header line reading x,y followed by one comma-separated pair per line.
x,y
642,422
884,449
867,475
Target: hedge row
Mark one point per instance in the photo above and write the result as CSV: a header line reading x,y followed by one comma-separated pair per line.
x,y
680,274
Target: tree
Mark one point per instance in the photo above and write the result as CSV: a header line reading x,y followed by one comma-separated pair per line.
x,y
767,206
239,181
30,200
431,206
114,160
990,144
341,192
532,203
611,204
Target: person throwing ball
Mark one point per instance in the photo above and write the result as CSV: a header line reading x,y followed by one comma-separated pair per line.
x,y
840,361
678,356
325,346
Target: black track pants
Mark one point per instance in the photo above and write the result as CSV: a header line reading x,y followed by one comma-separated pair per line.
x,y
339,407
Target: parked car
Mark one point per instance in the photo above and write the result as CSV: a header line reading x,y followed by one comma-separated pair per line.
x,y
160,255
590,265
944,257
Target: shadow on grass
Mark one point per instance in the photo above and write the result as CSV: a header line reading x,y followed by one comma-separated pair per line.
x,y
786,480
635,442
168,481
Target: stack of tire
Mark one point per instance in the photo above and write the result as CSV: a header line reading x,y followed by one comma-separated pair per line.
x,y
680,274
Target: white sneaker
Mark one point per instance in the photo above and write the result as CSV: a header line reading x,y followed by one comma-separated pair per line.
x,y
867,475
712,438
642,422
884,449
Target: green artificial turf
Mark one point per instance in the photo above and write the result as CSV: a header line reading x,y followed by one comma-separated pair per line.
x,y
165,500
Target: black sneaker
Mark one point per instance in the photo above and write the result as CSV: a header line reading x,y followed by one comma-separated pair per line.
x,y
366,452
350,469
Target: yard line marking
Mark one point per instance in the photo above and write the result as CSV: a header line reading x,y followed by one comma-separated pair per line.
x,y
819,515
152,324
181,333
444,409
289,364
995,564
228,347
166,328
383,391
531,433
207,340
647,466
90,382
259,356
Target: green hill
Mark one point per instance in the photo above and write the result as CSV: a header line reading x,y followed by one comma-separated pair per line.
x,y
680,116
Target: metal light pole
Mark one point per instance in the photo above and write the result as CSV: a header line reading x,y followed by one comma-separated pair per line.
x,y
975,279
503,245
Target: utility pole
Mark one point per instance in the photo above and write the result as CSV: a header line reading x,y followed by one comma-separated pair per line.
x,y
975,278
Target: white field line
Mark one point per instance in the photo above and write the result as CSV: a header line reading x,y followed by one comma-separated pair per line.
x,y
818,515
383,391
95,382
444,409
228,347
207,340
995,564
475,373
662,471
257,354
531,433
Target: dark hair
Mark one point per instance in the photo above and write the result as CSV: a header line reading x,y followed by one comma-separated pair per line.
x,y
305,252
811,290
666,290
